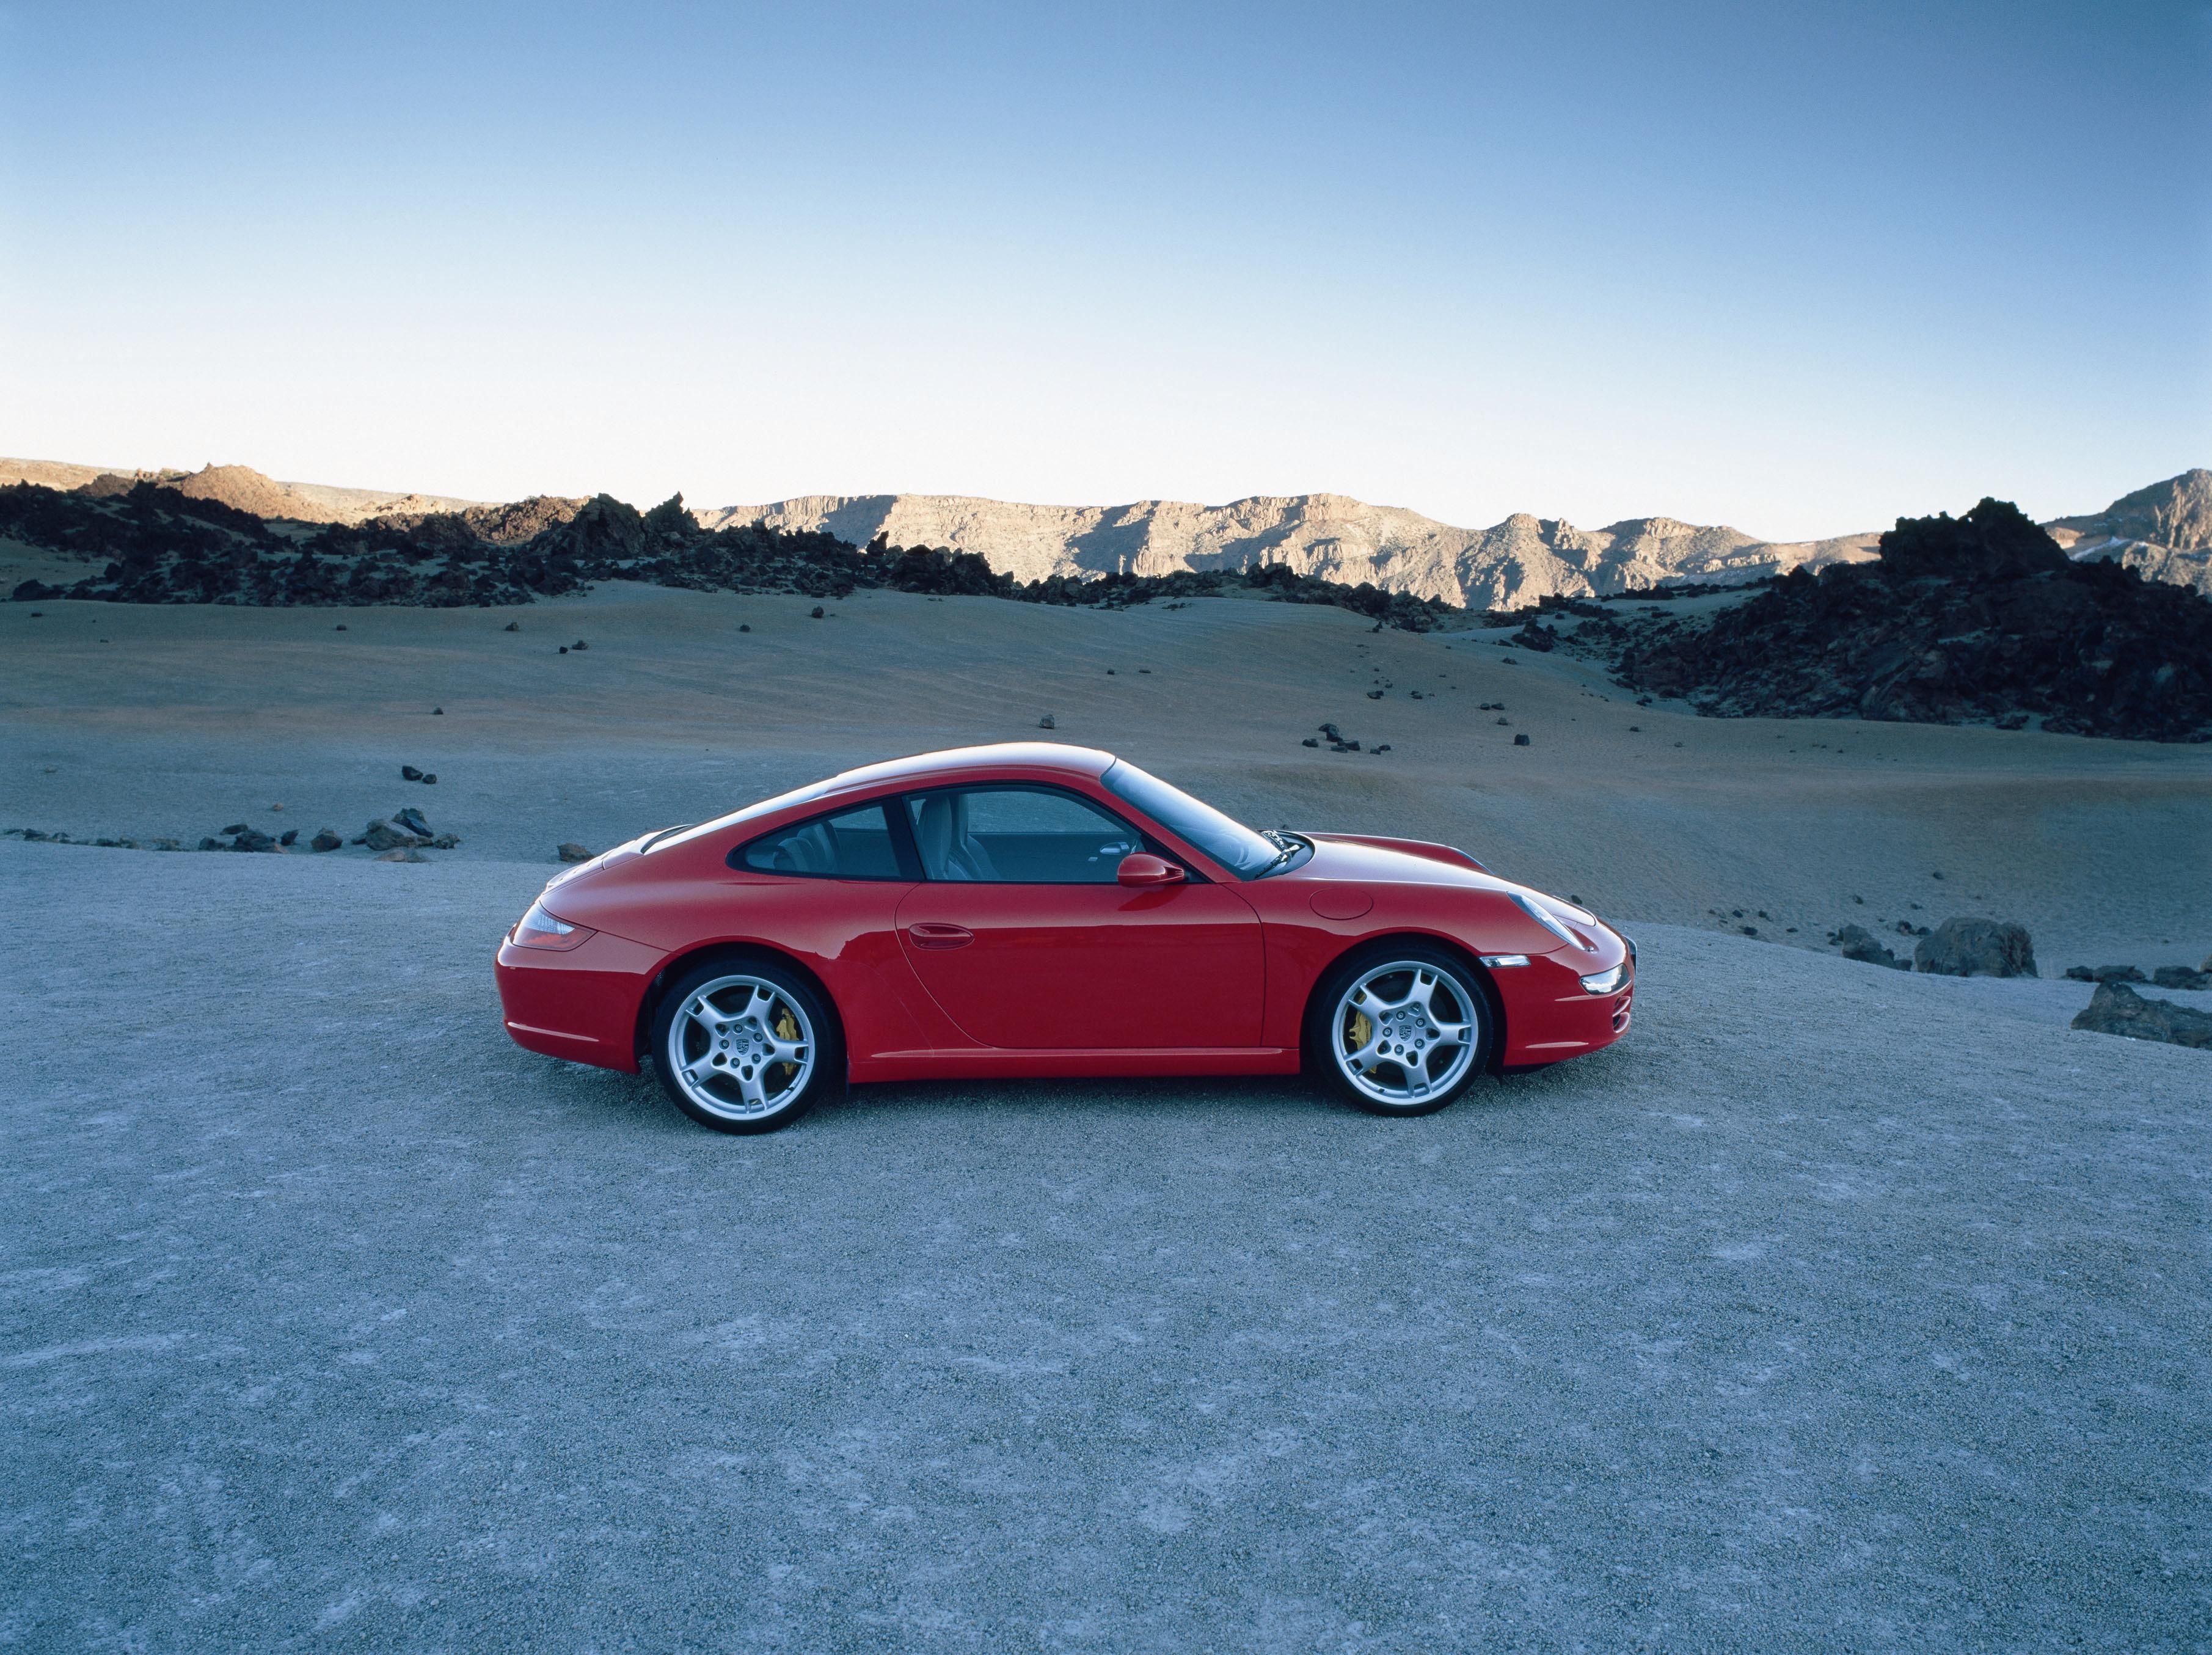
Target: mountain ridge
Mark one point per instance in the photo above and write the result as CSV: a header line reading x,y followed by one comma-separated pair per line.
x,y
1511,564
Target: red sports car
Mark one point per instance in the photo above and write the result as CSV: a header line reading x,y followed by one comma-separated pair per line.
x,y
1034,910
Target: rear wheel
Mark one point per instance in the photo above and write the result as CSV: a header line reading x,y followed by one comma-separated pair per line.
x,y
745,1045
1402,1029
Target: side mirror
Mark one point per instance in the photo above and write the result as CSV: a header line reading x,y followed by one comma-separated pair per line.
x,y
1141,869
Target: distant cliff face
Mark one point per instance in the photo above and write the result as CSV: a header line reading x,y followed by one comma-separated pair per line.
x,y
1519,561
2164,531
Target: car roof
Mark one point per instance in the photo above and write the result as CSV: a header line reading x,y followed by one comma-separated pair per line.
x,y
957,762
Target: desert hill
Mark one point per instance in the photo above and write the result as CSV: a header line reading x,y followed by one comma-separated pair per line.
x,y
241,487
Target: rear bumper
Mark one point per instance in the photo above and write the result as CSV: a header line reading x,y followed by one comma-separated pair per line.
x,y
580,1003
1549,1015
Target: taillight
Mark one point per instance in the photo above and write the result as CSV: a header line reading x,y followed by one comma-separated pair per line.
x,y
540,930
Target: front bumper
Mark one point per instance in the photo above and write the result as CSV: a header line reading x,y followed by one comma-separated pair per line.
x,y
578,1003
1549,1014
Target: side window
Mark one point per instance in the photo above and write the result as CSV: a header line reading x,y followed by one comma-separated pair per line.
x,y
1018,836
853,845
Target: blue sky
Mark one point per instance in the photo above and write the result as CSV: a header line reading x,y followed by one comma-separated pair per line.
x,y
1798,269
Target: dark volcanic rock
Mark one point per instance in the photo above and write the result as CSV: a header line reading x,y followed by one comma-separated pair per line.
x,y
252,839
2105,974
383,835
409,773
1977,618
1975,947
412,819
2115,1008
326,839
2181,976
1857,943
569,851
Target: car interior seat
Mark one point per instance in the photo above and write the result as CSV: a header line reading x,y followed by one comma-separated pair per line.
x,y
947,852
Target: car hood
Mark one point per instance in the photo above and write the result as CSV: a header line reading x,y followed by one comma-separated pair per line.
x,y
1344,857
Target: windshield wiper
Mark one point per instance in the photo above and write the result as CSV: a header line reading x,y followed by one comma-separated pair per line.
x,y
1289,846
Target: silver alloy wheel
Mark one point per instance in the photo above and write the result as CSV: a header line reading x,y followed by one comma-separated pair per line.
x,y
1404,1032
741,1048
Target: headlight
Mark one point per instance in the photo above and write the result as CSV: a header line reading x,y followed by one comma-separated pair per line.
x,y
540,930
1536,911
1606,982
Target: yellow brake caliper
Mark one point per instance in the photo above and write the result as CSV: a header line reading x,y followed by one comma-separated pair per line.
x,y
1361,1030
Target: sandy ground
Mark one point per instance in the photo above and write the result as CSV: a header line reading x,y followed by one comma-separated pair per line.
x,y
332,1320
1835,1307
128,722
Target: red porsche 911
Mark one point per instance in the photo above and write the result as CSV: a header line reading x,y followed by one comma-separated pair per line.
x,y
1033,910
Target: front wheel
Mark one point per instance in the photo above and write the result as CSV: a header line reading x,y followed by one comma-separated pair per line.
x,y
1399,1030
745,1045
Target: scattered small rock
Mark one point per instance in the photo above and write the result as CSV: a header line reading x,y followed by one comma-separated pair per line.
x,y
1332,732
1374,695
205,844
1748,930
1311,741
413,820
579,644
430,779
409,773
1857,943
743,627
325,839
1976,947
340,627
564,649
1110,673
572,852
1048,722
1521,740
2115,1008
511,626
235,827
439,712
2181,976
290,838
1384,748
817,612
1635,729
2105,974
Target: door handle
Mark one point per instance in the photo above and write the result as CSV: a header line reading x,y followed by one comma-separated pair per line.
x,y
931,934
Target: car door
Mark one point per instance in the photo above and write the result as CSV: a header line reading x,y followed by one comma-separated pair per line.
x,y
1021,934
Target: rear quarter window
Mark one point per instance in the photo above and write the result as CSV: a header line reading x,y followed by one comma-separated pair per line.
x,y
850,844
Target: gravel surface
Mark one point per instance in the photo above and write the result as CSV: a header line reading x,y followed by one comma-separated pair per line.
x,y
1830,1308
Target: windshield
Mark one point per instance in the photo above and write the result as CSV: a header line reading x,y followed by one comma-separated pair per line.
x,y
1232,844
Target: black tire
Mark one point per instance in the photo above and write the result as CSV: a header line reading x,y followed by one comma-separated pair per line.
x,y
1428,1082
760,1045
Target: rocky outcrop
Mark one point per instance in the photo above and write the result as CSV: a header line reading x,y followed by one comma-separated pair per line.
x,y
1976,947
2115,1008
1857,943
1981,617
